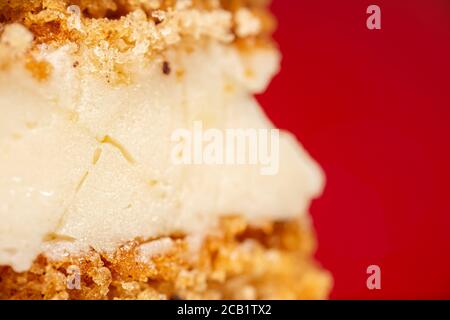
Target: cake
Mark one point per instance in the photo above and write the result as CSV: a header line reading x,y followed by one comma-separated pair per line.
x,y
96,200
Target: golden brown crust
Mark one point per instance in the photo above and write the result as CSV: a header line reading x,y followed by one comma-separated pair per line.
x,y
239,262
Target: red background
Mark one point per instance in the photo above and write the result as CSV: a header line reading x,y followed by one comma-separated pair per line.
x,y
373,107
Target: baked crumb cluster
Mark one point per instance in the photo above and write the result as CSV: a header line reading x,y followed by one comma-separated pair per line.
x,y
239,262
111,35
148,26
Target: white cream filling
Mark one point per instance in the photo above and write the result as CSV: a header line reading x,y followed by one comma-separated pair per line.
x,y
87,163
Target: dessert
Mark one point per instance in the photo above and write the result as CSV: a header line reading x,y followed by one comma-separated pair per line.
x,y
92,203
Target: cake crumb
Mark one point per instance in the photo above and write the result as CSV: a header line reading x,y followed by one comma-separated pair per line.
x,y
40,70
247,24
166,68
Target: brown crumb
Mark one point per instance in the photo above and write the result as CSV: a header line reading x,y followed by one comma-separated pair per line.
x,y
180,73
39,69
166,68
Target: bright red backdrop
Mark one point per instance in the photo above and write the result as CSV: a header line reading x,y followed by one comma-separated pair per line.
x,y
373,107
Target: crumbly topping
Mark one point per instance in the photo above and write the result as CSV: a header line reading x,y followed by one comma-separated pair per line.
x,y
113,33
151,25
